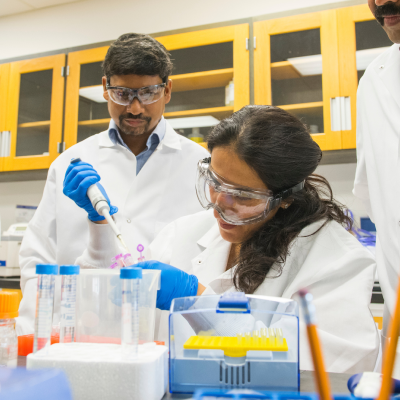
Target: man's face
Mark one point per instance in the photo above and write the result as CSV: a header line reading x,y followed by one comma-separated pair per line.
x,y
136,118
387,13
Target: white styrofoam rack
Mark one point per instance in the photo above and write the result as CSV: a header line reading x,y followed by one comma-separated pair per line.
x,y
100,372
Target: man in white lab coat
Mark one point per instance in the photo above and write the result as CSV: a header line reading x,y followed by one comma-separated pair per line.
x,y
141,160
377,181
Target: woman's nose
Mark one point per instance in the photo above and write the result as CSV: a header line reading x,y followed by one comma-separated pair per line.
x,y
224,199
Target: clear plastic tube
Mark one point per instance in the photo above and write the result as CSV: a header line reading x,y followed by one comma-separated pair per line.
x,y
140,249
131,279
128,260
8,343
119,260
44,306
68,302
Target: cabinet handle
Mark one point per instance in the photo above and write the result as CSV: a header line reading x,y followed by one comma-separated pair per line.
x,y
5,143
335,114
340,114
345,113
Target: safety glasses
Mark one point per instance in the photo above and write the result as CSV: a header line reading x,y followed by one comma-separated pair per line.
x,y
236,205
146,95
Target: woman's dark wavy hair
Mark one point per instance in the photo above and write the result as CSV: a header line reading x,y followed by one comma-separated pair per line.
x,y
279,148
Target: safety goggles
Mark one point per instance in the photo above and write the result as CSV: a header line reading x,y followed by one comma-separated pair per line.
x,y
146,95
236,205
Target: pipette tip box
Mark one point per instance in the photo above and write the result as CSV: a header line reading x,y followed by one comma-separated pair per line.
x,y
234,341
101,372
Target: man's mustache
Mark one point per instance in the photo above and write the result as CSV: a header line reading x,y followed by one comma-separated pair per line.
x,y
131,116
386,10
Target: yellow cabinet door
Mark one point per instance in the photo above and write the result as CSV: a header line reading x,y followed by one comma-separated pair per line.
x,y
296,68
361,40
210,80
86,111
4,77
34,112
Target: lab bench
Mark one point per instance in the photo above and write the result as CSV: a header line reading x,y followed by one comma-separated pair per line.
x,y
338,382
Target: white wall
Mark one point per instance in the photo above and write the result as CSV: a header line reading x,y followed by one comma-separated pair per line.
x,y
93,21
21,193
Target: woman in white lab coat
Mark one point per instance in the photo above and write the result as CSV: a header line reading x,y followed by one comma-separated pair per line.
x,y
272,229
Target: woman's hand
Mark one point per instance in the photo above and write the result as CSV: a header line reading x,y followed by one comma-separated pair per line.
x,y
174,283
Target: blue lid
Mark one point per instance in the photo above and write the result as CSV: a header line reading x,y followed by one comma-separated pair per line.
x,y
47,269
233,302
131,273
69,269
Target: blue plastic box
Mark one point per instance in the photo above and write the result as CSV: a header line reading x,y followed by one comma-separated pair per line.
x,y
234,341
46,384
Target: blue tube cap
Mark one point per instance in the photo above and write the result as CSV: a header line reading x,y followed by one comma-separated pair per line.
x,y
69,269
131,273
47,269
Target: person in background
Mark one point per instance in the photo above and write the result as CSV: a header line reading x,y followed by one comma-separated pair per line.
x,y
272,228
140,160
377,181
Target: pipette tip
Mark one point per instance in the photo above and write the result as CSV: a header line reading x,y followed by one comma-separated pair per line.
x,y
123,243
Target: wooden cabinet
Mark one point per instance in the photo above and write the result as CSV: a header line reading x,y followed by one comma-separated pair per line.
x,y
4,136
361,40
85,109
296,68
204,64
34,112
309,65
207,64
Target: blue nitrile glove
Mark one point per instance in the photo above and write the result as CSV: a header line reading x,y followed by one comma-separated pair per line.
x,y
174,283
78,178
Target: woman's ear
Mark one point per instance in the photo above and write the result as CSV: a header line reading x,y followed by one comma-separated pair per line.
x,y
286,203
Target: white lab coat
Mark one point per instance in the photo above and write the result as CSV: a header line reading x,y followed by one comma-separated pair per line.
x,y
162,191
332,264
377,181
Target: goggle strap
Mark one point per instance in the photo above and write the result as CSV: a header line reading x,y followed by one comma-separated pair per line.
x,y
288,192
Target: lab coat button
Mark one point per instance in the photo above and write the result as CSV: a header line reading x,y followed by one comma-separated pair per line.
x,y
199,261
128,221
381,67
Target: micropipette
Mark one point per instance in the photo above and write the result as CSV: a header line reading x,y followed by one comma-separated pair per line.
x,y
100,204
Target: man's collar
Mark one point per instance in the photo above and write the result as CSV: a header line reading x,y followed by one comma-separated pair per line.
x,y
169,137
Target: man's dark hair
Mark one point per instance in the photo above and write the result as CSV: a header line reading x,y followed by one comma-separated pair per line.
x,y
138,54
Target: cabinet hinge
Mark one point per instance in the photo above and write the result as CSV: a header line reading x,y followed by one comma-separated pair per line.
x,y
65,71
247,43
60,147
